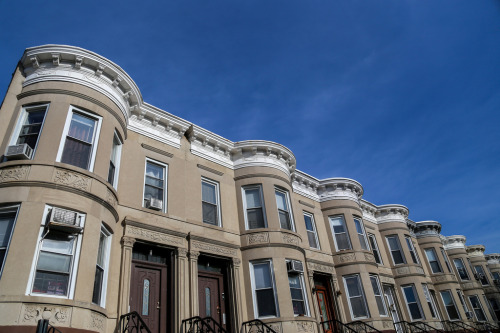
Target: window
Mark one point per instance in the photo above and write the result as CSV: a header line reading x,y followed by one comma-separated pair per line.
x,y
478,309
374,247
82,134
395,247
361,233
496,275
490,308
411,248
481,275
462,301
56,259
114,161
30,126
379,298
433,260
7,220
430,301
210,202
449,304
462,271
101,269
312,235
285,216
254,207
340,234
296,282
264,295
155,185
356,297
446,261
413,303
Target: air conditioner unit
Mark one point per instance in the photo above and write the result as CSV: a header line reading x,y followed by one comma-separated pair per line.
x,y
19,152
154,204
468,314
295,266
64,219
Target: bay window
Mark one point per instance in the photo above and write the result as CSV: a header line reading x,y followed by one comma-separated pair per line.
x,y
30,125
361,233
433,261
356,297
284,210
101,270
395,248
413,303
449,304
253,204
312,235
8,217
340,234
264,290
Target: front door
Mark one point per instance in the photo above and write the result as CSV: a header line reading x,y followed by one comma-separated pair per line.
x,y
211,296
393,307
148,294
324,307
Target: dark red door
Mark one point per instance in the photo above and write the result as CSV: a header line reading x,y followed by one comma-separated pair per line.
x,y
324,308
146,294
210,293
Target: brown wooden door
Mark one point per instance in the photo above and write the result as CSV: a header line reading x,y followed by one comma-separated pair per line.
x,y
325,311
210,294
147,293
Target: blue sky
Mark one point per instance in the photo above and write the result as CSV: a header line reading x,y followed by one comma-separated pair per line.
x,y
403,96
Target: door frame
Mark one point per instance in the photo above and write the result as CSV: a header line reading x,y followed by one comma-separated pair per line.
x,y
327,287
222,290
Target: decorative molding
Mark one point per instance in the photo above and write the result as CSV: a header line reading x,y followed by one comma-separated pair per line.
x,y
419,270
402,270
14,173
386,279
475,250
57,315
236,262
317,267
111,198
277,327
261,237
182,253
165,134
154,236
350,257
193,255
304,326
391,213
96,322
218,173
156,150
291,239
72,179
369,257
427,229
214,249
387,324
306,204
128,241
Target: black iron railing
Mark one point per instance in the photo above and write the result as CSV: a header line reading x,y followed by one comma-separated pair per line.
x,y
43,326
487,327
457,326
256,326
362,327
420,326
336,326
405,327
132,323
201,325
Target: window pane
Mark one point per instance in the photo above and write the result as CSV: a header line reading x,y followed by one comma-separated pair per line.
x,y
54,262
76,153
450,305
359,229
294,281
208,193
281,200
152,192
51,283
298,307
393,243
255,218
252,197
6,223
58,242
209,213
262,274
337,224
265,302
308,221
284,220
431,255
414,311
312,239
342,241
358,307
398,257
154,170
82,128
96,295
353,286
102,249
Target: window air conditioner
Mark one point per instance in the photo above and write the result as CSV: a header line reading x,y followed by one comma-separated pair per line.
x,y
468,314
153,203
64,219
295,266
19,152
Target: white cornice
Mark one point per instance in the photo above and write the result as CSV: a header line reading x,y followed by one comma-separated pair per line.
x,y
454,242
427,229
369,211
391,213
210,146
493,258
475,250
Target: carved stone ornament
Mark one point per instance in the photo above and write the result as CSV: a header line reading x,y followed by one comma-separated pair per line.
x,y
128,241
154,236
182,253
347,257
72,179
110,198
57,315
236,262
386,279
387,324
419,270
402,270
96,322
320,268
369,257
193,255
304,326
277,327
16,173
214,249
262,237
440,278
291,239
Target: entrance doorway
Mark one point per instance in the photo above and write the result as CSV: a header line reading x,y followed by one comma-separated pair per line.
x,y
213,296
393,306
325,302
149,286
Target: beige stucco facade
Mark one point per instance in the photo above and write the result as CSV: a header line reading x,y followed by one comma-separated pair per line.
x,y
370,262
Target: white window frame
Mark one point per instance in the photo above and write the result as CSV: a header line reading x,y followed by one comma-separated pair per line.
x,y
376,249
483,273
454,304
165,182
105,268
314,231
446,261
363,295
411,249
218,223
245,209
437,260
363,234
22,118
290,213
480,307
381,295
461,298
254,291
95,141
415,294
304,294
118,158
9,209
430,301
335,234
464,269
400,249
76,258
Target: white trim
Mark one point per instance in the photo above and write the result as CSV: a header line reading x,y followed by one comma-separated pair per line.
x,y
400,249
334,234
118,159
95,138
20,121
104,286
362,225
217,200
429,299
8,209
165,183
454,304
313,222
363,295
377,247
290,214
415,294
74,265
437,260
254,294
381,295
411,248
480,306
249,187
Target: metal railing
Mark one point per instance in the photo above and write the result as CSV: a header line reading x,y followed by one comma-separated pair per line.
x,y
256,326
361,327
457,326
43,326
132,323
487,327
201,325
336,327
424,327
